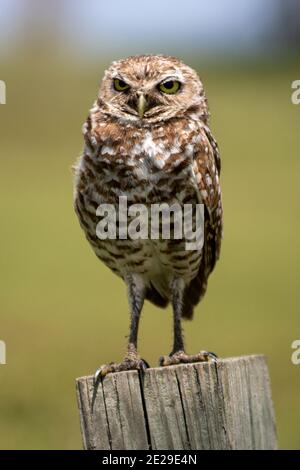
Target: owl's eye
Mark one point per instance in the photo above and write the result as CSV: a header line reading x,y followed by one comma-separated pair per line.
x,y
120,85
170,87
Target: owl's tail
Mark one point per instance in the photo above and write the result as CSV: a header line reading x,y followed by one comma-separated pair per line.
x,y
155,297
192,296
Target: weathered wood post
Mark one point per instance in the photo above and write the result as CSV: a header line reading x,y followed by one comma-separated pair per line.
x,y
227,405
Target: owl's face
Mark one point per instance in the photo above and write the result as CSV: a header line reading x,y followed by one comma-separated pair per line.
x,y
149,89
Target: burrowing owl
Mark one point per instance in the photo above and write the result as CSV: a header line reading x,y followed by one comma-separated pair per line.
x,y
147,138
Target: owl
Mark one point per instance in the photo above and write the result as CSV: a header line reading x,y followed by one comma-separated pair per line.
x,y
147,137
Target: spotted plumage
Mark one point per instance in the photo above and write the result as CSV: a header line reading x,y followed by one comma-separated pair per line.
x,y
152,146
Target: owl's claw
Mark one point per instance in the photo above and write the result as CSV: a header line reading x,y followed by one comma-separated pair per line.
x,y
127,364
212,357
180,357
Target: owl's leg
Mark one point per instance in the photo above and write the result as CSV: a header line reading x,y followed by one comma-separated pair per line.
x,y
178,354
132,361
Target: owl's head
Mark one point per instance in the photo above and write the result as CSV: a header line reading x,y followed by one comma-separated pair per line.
x,y
150,88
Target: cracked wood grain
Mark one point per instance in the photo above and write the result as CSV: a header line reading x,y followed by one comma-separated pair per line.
x,y
227,405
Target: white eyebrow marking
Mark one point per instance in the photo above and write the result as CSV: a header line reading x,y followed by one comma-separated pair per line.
x,y
176,76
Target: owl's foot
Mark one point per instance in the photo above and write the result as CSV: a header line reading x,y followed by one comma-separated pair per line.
x,y
132,361
180,357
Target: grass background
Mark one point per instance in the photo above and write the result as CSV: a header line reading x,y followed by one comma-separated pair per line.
x,y
63,313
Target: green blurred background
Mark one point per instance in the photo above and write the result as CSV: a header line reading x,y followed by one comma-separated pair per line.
x,y
62,312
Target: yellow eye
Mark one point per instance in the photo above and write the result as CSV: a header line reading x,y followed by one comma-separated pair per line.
x,y
170,87
120,85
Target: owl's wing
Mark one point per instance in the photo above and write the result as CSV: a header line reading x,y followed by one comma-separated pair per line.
x,y
206,170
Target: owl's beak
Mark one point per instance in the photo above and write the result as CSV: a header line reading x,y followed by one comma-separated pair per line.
x,y
142,105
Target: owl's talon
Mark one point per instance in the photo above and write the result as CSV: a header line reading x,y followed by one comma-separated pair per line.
x,y
126,365
99,374
96,376
145,365
180,357
212,357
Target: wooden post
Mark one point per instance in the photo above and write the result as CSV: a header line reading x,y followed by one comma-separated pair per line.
x,y
227,405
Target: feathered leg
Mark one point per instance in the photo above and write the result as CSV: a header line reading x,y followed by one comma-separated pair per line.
x,y
132,361
178,355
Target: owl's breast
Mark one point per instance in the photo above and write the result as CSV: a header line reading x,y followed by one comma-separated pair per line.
x,y
148,165
148,168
